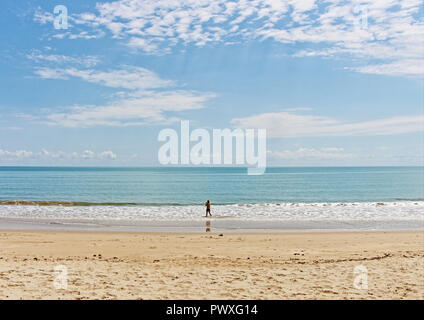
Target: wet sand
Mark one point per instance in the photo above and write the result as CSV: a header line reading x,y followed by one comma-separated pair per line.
x,y
124,265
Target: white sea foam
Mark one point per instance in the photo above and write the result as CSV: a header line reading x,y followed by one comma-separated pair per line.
x,y
359,211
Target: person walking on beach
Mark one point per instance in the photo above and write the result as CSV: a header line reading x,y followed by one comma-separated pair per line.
x,y
208,208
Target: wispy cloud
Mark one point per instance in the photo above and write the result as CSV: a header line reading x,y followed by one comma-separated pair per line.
x,y
42,16
288,124
134,78
107,155
146,98
390,31
10,128
311,153
405,67
150,108
59,155
56,59
18,154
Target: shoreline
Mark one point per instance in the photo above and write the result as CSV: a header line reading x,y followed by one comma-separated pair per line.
x,y
158,265
265,217
205,225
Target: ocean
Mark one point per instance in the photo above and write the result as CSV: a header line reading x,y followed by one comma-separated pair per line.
x,y
303,198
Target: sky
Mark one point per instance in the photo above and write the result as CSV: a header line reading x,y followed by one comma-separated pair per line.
x,y
334,83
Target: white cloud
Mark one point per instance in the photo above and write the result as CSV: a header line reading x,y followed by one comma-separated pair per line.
x,y
19,154
332,149
23,155
48,73
398,68
107,155
11,128
286,125
310,153
87,61
146,99
150,108
390,31
88,154
43,17
146,45
128,77
85,35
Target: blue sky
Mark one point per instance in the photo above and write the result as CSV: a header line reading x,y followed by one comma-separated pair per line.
x,y
333,82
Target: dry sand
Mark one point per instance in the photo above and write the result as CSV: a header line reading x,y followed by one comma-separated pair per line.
x,y
113,265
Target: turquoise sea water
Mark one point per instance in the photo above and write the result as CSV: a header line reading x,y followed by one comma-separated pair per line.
x,y
189,186
172,199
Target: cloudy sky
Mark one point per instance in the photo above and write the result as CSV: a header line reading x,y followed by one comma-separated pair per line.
x,y
333,82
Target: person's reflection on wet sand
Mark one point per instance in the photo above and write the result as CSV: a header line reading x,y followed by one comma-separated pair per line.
x,y
208,226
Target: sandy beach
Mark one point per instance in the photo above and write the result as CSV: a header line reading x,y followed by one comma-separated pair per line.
x,y
112,265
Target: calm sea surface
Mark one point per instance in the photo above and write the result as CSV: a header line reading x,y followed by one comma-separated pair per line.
x,y
189,186
360,198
